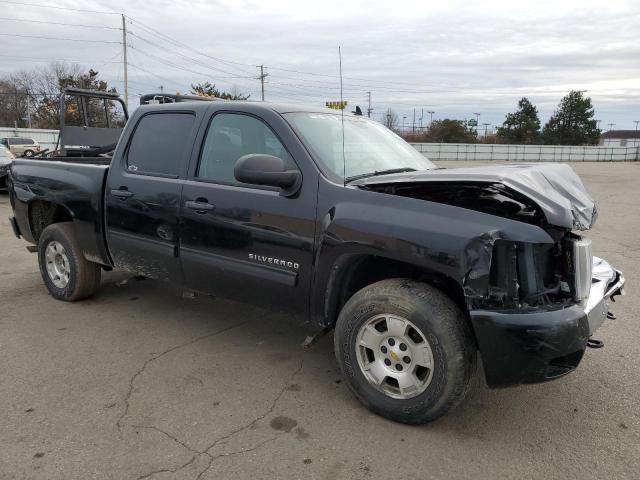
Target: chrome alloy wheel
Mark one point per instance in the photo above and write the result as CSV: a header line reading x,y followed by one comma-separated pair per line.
x,y
394,356
58,267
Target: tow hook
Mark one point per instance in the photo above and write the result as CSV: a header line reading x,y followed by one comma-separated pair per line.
x,y
593,343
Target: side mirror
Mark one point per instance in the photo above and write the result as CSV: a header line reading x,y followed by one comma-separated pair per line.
x,y
260,169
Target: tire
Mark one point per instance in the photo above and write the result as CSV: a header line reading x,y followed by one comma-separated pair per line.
x,y
432,322
28,153
66,273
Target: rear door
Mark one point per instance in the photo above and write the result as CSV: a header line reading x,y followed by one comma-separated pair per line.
x,y
242,241
143,195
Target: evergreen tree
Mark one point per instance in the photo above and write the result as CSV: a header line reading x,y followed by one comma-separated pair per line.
x,y
522,126
451,131
572,123
207,89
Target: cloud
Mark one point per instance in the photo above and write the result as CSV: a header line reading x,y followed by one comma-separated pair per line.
x,y
454,57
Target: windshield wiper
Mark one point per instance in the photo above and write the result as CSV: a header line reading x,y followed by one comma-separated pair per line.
x,y
379,172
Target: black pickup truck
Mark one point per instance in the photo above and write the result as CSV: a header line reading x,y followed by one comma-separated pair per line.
x,y
418,270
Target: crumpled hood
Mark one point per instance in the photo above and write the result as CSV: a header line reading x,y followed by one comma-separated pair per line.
x,y
555,188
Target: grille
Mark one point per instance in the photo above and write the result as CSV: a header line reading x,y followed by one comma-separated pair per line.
x,y
582,265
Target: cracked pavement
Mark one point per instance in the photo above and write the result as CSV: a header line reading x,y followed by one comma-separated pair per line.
x,y
142,382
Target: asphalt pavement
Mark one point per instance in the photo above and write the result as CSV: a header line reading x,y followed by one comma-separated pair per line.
x,y
148,381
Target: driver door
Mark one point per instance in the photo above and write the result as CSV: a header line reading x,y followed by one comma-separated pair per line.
x,y
243,241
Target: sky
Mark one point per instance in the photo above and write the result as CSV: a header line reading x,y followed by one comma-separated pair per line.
x,y
454,58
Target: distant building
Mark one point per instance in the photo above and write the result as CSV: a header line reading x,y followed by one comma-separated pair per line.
x,y
620,138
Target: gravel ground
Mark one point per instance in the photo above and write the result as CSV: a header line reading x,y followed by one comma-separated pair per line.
x,y
145,382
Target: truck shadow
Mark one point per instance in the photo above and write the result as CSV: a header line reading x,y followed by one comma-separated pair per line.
x,y
267,348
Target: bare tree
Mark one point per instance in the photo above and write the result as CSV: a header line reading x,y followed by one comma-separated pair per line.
x,y
14,104
33,95
390,119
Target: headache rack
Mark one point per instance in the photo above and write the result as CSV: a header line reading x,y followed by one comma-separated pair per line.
x,y
162,98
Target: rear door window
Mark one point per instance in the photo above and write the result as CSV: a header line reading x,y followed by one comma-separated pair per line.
x,y
160,144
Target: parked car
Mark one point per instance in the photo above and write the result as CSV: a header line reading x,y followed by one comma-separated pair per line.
x,y
21,146
6,157
337,219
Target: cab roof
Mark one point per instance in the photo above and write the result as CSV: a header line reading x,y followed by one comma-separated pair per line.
x,y
251,106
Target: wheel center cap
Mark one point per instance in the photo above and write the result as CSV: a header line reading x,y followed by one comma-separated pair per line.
x,y
394,356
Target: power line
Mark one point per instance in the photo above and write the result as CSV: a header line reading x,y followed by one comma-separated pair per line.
x,y
149,72
308,85
39,59
58,23
56,38
177,43
59,8
190,59
174,65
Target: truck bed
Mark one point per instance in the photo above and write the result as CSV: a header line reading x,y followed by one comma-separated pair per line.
x,y
68,186
84,160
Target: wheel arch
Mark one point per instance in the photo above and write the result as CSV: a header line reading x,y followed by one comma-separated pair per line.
x,y
42,213
352,273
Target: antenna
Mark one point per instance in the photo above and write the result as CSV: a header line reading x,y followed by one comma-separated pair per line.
x,y
344,161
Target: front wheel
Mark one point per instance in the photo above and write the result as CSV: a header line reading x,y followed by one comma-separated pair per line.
x,y
66,273
406,350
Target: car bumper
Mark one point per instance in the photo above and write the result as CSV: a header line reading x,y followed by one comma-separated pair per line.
x,y
541,345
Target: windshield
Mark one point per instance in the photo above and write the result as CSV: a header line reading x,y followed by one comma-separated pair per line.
x,y
369,147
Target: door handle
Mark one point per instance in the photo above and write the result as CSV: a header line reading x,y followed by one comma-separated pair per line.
x,y
121,193
199,206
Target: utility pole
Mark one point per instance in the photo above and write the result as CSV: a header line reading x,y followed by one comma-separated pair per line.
x,y
28,112
124,59
369,109
477,114
404,117
161,88
486,125
413,124
261,77
611,125
421,117
17,109
430,118
636,122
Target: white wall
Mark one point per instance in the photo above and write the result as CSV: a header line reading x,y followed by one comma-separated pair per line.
x,y
616,142
46,138
527,153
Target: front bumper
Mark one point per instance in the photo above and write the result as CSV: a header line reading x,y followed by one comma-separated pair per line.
x,y
542,344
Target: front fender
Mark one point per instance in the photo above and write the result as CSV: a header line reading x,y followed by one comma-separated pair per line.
x,y
449,241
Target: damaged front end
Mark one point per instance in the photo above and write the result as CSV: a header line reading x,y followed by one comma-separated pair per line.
x,y
533,306
535,315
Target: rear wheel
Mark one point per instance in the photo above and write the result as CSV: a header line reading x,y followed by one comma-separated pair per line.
x,y
66,273
28,153
406,350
